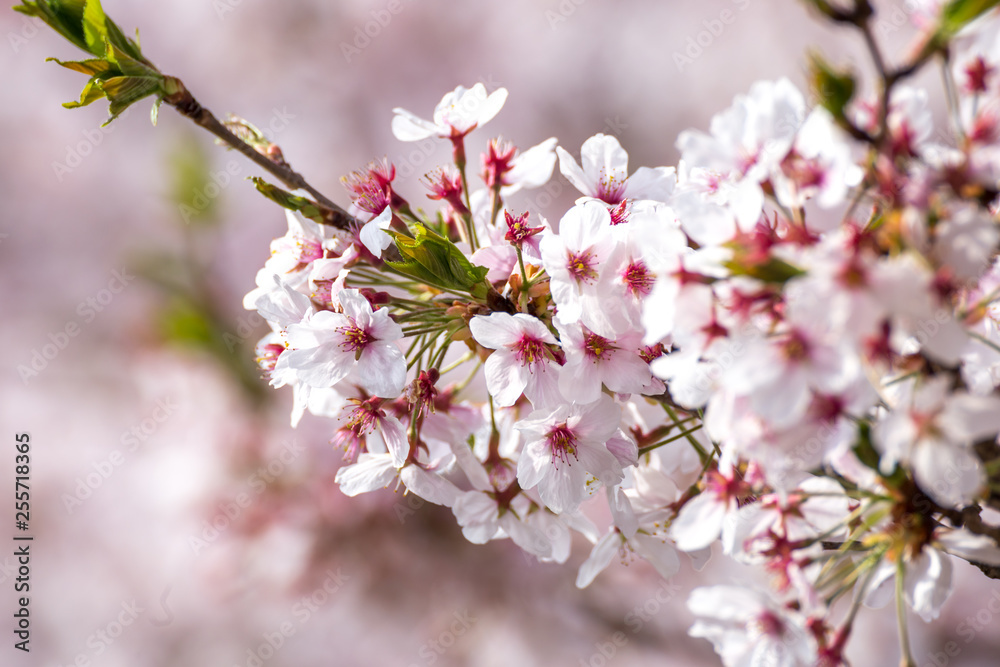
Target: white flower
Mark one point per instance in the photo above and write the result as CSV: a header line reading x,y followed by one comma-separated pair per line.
x,y
521,362
927,576
376,471
605,176
327,346
642,537
747,629
574,258
932,430
703,518
819,165
531,168
746,144
458,113
565,447
373,233
593,361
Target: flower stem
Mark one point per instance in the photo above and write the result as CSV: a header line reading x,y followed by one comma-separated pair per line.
x,y
904,635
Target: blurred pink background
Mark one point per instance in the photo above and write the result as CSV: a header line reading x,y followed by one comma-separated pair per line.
x,y
139,445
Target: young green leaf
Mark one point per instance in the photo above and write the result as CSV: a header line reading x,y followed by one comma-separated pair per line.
x,y
286,199
832,89
959,13
430,257
118,72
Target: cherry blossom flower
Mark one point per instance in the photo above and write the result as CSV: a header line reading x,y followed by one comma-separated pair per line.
x,y
933,428
565,448
593,361
458,113
747,629
927,573
819,165
646,539
604,174
701,519
574,257
521,363
327,346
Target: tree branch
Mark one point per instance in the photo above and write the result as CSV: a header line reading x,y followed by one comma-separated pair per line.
x,y
185,103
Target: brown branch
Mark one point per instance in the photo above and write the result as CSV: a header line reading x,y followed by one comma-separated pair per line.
x,y
185,103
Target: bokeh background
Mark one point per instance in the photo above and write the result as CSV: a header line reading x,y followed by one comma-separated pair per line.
x,y
123,270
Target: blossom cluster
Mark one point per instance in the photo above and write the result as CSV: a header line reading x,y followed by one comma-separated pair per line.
x,y
785,348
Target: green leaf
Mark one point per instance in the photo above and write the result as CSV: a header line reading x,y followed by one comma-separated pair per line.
x,y
435,260
118,71
92,66
124,91
959,13
91,93
286,199
833,89
95,29
774,270
63,16
864,449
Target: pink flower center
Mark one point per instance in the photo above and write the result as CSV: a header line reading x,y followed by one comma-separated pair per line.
x,y
611,187
372,197
769,624
581,266
355,338
747,160
977,74
366,416
529,350
638,279
651,352
562,442
267,356
619,214
725,488
597,348
805,172
309,250
795,347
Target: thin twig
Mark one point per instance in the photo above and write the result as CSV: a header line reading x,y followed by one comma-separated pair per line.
x,y
187,105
